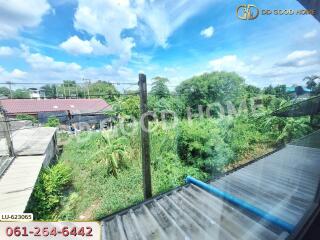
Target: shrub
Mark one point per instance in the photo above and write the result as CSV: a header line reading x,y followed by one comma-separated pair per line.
x,y
27,117
242,134
199,143
49,191
281,130
52,122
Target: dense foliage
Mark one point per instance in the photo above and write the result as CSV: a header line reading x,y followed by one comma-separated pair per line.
x,y
105,166
4,91
278,91
52,122
18,93
27,117
106,170
200,143
159,87
49,191
70,89
127,107
212,87
167,106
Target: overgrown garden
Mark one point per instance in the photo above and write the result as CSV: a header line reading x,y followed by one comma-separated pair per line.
x,y
99,173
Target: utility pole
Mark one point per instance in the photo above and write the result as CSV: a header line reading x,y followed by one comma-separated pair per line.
x,y
64,91
145,139
88,86
55,91
10,88
6,130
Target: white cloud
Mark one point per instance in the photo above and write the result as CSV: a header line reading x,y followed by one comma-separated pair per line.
x,y
298,55
47,69
266,72
230,63
16,15
17,73
75,45
6,51
151,21
300,58
310,34
207,32
41,62
163,17
107,18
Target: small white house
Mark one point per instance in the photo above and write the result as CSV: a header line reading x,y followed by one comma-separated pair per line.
x,y
35,93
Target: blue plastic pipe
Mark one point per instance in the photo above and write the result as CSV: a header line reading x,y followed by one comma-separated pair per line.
x,y
242,204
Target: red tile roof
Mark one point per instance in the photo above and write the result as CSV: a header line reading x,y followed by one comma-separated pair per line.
x,y
19,106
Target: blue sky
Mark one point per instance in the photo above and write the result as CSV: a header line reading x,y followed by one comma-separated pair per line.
x,y
114,40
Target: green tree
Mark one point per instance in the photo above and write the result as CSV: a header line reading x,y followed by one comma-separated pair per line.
x,y
21,94
212,87
159,87
252,90
99,89
127,106
69,83
5,91
279,91
50,91
103,89
312,84
68,89
170,103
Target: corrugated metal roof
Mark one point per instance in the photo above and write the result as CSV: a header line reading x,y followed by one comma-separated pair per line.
x,y
34,148
283,184
19,106
312,4
293,89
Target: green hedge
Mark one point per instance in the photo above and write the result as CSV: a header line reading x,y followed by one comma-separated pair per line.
x,y
49,191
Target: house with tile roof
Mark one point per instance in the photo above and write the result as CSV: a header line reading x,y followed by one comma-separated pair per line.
x,y
67,110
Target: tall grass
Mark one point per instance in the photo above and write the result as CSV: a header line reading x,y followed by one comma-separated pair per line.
x,y
106,173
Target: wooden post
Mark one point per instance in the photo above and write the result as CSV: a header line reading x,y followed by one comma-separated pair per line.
x,y
6,131
145,140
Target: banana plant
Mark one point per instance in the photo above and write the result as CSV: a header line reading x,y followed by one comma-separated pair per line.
x,y
112,152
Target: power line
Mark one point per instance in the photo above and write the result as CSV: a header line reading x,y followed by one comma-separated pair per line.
x,y
91,95
71,84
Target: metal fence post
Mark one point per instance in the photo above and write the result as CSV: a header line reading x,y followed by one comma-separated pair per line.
x,y
6,130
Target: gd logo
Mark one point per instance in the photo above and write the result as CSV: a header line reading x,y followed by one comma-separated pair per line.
x,y
244,12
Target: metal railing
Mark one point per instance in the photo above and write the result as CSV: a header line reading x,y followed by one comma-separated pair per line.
x,y
7,151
